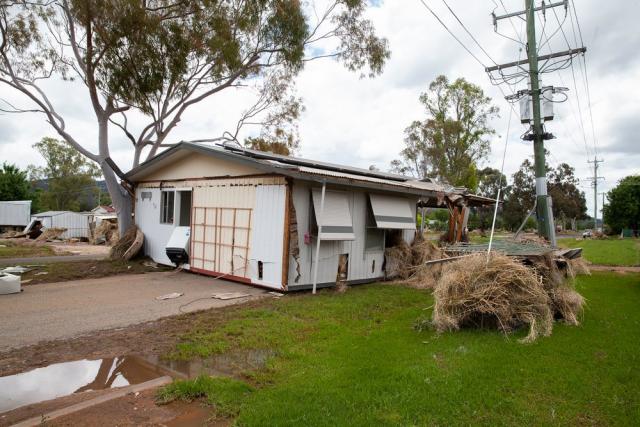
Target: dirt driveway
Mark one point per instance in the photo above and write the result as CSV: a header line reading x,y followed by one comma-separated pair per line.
x,y
69,309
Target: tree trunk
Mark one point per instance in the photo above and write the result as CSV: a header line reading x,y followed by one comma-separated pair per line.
x,y
120,198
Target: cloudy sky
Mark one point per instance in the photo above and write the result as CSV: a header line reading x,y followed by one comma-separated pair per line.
x,y
361,122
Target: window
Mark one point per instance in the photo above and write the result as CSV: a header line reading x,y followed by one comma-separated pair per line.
x,y
167,199
393,212
374,240
336,218
374,236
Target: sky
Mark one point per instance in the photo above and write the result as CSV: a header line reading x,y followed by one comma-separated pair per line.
x,y
361,121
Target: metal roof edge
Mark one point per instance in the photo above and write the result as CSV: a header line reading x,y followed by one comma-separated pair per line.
x,y
208,151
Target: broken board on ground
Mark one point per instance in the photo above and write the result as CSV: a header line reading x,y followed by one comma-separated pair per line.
x,y
229,295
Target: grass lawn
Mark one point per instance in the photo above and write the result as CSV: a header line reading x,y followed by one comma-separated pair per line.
x,y
607,251
355,359
16,250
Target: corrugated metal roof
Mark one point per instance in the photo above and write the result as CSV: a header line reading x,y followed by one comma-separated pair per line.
x,y
16,202
55,213
300,168
428,186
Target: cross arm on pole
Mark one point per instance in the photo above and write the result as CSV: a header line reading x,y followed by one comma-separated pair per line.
x,y
543,7
571,52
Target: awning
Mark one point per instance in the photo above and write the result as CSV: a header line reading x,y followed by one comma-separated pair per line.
x,y
392,212
336,220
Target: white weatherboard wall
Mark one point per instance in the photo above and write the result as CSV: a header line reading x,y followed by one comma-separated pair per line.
x,y
267,238
363,265
156,235
263,196
15,213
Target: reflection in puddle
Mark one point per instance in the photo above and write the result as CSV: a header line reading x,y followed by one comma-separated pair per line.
x,y
62,379
231,364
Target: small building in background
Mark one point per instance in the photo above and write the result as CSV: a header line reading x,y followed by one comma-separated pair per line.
x,y
75,223
14,215
102,212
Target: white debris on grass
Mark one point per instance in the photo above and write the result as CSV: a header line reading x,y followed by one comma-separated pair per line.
x,y
15,270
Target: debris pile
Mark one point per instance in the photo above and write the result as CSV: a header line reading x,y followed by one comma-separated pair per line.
x,y
578,266
504,294
566,303
106,232
51,233
128,245
408,264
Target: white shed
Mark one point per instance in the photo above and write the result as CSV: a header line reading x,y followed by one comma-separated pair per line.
x,y
15,213
77,224
252,217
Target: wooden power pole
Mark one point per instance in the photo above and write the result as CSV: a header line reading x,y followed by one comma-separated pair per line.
x,y
546,227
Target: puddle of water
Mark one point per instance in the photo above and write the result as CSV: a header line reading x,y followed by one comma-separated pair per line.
x,y
230,364
63,379
195,417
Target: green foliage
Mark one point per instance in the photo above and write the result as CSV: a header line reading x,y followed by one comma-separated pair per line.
x,y
356,360
568,200
489,181
562,185
69,176
14,184
623,209
623,252
160,58
225,394
454,137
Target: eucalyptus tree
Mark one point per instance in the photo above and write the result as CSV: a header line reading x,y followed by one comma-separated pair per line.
x,y
454,136
160,58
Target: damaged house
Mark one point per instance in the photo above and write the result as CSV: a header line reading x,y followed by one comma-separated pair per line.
x,y
271,220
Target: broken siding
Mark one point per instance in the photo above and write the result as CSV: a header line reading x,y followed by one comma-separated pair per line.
x,y
363,265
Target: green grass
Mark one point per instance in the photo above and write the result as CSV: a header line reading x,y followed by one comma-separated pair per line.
x,y
15,250
225,394
355,359
610,251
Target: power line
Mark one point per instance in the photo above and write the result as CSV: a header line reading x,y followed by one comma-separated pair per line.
x,y
451,33
586,78
462,44
469,32
573,113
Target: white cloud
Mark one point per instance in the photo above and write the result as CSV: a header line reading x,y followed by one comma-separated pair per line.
x,y
361,121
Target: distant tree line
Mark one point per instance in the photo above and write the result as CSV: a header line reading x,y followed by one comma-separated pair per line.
x,y
67,181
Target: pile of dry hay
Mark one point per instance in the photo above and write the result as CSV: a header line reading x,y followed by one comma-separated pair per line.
x,y
504,294
108,231
51,234
128,245
407,263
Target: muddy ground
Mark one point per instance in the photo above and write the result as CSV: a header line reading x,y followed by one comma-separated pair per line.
x,y
147,340
87,269
134,409
150,340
